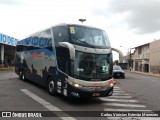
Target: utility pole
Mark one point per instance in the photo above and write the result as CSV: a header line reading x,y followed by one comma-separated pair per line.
x,y
130,59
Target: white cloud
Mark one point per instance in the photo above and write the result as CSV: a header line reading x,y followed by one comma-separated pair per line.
x,y
128,23
11,2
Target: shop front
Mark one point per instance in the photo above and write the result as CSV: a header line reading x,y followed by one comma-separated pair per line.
x,y
7,50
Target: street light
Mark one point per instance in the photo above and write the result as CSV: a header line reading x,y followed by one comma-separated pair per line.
x,y
82,20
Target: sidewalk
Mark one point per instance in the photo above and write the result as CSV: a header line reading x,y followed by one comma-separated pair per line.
x,y
144,73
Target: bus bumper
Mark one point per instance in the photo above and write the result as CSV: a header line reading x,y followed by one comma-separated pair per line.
x,y
76,92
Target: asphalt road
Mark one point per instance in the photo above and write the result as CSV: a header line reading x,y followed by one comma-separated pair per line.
x,y
144,88
135,93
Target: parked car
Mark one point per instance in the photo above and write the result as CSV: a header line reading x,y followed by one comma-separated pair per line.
x,y
118,72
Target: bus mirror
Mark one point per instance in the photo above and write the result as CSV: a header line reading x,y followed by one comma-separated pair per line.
x,y
70,47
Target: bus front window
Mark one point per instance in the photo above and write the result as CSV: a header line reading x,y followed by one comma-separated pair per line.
x,y
89,37
91,66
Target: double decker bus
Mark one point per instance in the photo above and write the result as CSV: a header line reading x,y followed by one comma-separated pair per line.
x,y
69,59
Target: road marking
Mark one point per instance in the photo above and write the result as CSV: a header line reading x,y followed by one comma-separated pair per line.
x,y
116,87
124,94
112,109
114,118
47,105
122,100
118,92
118,96
124,105
118,100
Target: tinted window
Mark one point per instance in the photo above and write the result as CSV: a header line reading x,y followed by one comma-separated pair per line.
x,y
92,66
36,41
60,34
89,37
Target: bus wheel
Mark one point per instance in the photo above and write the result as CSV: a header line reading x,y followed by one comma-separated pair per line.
x,y
22,75
51,87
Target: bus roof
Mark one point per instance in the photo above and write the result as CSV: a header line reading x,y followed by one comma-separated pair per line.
x,y
65,24
62,24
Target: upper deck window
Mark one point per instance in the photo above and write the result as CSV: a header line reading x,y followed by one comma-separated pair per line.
x,y
89,37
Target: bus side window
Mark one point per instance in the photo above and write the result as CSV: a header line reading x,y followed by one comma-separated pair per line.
x,y
48,37
60,34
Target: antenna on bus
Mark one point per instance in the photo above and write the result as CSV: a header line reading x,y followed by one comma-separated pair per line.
x,y
82,20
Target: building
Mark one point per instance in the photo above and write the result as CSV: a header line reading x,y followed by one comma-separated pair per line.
x,y
7,50
125,63
127,60
154,54
146,58
141,58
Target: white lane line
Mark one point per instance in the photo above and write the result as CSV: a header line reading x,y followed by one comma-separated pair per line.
x,y
124,94
47,105
116,87
118,100
118,96
118,92
124,105
112,109
114,118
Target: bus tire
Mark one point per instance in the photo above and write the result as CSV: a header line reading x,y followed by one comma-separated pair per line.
x,y
22,75
51,86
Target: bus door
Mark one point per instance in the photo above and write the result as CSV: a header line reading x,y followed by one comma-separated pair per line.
x,y
63,69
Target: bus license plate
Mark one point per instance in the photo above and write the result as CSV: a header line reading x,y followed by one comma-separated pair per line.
x,y
95,94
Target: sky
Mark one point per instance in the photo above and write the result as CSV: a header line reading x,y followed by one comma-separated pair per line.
x,y
128,23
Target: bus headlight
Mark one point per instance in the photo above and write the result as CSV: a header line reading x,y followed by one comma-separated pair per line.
x,y
78,85
110,83
75,84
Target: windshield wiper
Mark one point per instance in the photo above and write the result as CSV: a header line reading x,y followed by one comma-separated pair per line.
x,y
85,43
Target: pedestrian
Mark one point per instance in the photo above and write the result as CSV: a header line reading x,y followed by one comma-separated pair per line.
x,y
130,68
9,62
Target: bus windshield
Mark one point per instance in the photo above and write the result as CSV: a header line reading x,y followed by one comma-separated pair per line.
x,y
92,66
89,37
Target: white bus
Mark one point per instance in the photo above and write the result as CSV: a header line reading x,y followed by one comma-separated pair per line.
x,y
72,60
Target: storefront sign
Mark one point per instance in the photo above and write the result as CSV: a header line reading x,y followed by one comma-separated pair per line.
x,y
5,39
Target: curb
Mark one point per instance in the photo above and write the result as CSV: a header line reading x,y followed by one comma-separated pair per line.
x,y
143,73
7,68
